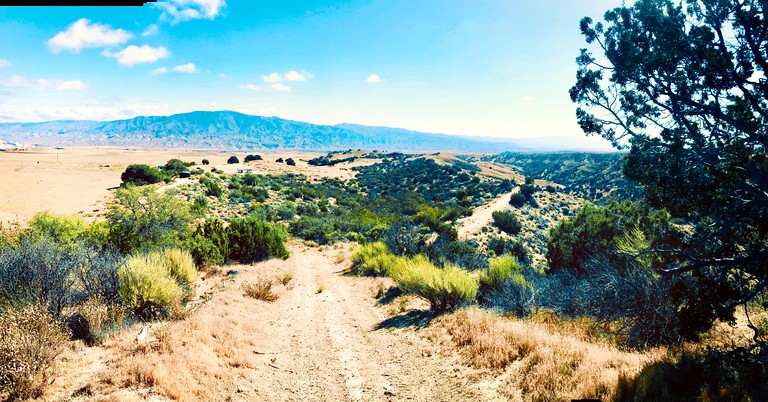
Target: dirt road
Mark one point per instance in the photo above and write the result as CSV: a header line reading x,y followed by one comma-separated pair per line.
x,y
325,346
324,339
483,215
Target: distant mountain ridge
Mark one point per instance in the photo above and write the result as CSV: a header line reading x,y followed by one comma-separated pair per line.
x,y
228,130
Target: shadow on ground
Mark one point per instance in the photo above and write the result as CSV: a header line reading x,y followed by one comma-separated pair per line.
x,y
417,319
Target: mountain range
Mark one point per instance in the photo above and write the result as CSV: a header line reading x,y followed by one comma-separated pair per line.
x,y
227,130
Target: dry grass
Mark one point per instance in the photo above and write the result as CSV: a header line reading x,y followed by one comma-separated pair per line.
x,y
261,289
285,278
542,364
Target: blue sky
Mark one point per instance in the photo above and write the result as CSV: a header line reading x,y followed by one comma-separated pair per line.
x,y
492,68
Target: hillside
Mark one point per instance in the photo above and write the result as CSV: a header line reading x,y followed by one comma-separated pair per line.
x,y
236,131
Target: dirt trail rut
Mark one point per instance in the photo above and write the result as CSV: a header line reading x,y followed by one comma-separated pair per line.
x,y
483,215
325,346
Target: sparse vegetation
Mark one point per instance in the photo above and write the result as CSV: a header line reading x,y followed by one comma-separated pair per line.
x,y
444,288
261,289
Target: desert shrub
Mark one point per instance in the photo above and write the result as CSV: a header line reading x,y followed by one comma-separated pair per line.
x,y
373,259
597,231
446,250
175,166
517,200
180,265
203,250
253,239
636,298
308,209
37,272
500,246
405,238
96,276
290,162
233,160
200,205
250,158
150,288
261,289
212,188
140,174
141,218
95,320
287,210
205,162
279,160
63,230
30,342
445,289
507,221
504,286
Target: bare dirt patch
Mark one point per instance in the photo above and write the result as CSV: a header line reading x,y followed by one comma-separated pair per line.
x,y
309,344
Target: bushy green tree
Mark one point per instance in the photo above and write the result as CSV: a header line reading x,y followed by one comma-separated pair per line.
x,y
233,160
602,231
140,174
142,218
682,85
507,221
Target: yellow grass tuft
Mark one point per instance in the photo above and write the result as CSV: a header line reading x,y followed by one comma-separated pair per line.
x,y
261,289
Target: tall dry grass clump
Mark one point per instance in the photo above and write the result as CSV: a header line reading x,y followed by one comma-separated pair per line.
x,y
30,342
373,259
156,283
541,364
261,289
444,288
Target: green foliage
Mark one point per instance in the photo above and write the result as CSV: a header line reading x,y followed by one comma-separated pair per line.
x,y
501,269
517,200
155,284
64,230
250,158
180,265
175,166
445,289
279,160
373,259
253,239
599,231
142,218
233,160
507,221
290,162
140,174
677,85
205,162
516,248
212,188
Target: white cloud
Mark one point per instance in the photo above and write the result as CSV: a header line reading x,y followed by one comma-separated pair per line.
x,y
133,54
528,99
252,87
280,87
186,68
272,78
5,63
152,29
70,85
223,76
161,70
184,10
17,81
297,76
84,34
87,112
373,79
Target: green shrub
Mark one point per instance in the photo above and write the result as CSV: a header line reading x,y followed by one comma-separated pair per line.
x,y
204,251
233,160
249,158
155,284
140,174
373,259
253,239
507,221
30,342
499,270
290,162
445,289
63,230
517,200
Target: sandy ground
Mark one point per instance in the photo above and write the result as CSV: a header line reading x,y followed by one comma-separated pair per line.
x,y
309,345
79,180
482,216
